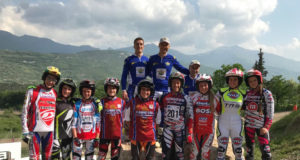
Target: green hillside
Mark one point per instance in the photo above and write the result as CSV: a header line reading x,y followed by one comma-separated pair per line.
x,y
26,68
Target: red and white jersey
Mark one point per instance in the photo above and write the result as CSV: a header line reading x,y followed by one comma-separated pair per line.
x,y
253,118
112,118
203,116
39,110
144,115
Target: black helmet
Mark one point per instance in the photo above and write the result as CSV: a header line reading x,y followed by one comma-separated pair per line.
x,y
87,84
146,83
53,71
68,82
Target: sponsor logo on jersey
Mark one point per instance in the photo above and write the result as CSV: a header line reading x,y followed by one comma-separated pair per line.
x,y
233,95
132,63
150,106
237,141
155,63
141,70
47,116
203,111
167,63
202,119
119,105
252,106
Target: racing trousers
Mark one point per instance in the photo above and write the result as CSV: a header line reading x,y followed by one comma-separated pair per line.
x,y
46,139
203,143
173,137
115,148
62,148
142,150
89,149
264,143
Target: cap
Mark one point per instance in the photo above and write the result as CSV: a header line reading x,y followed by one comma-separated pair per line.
x,y
164,39
195,62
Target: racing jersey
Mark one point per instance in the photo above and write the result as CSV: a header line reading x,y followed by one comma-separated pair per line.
x,y
231,102
160,69
136,68
253,118
203,116
112,118
177,111
190,87
63,119
144,115
86,119
39,110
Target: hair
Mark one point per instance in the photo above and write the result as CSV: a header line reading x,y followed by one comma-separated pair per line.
x,y
212,101
138,38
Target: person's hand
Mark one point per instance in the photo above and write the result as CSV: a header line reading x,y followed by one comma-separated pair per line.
x,y
189,147
96,142
125,95
77,141
126,127
263,131
26,137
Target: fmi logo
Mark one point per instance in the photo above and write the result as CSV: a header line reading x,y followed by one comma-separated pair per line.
x,y
233,95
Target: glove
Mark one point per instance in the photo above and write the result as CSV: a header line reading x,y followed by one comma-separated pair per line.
x,y
77,141
96,142
26,137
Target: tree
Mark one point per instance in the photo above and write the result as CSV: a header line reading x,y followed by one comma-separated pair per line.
x,y
259,65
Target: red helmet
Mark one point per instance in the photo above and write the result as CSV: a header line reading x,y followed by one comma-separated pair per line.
x,y
205,78
254,72
234,73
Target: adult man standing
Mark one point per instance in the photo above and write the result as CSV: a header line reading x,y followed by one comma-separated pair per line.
x,y
135,66
160,67
190,87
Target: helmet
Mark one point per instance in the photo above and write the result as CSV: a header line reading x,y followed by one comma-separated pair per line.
x,y
205,78
53,71
68,82
146,83
234,73
176,75
87,84
111,82
254,72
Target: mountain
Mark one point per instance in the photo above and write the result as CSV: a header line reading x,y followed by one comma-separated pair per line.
x,y
27,43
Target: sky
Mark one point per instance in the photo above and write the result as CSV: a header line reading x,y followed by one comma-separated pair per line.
x,y
193,26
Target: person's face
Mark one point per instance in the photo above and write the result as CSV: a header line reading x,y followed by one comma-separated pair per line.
x,y
139,46
111,91
252,81
66,91
194,69
50,81
164,47
203,87
145,92
176,85
233,82
86,93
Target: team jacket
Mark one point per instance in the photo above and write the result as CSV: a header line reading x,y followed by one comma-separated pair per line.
x,y
144,115
136,67
253,118
39,110
63,119
190,85
203,116
177,111
112,118
160,69
86,119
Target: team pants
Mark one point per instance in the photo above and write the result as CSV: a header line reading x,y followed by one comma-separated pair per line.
x,y
62,148
231,129
115,148
89,149
142,150
172,137
46,139
131,91
264,143
202,146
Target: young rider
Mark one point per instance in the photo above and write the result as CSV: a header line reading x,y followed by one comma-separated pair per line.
x,y
38,115
204,103
111,120
135,67
63,138
85,127
178,113
259,112
144,117
230,122
190,87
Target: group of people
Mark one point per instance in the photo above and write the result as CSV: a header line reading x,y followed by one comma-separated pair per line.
x,y
156,105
